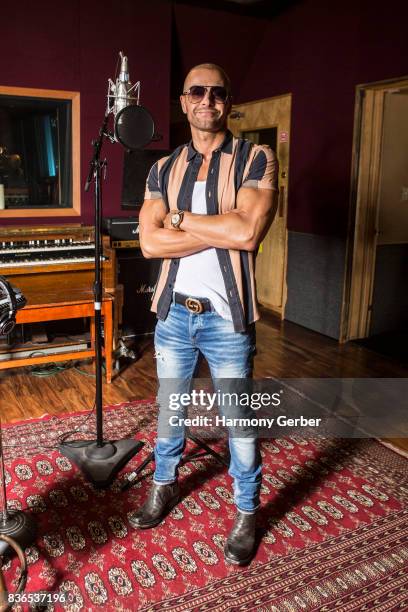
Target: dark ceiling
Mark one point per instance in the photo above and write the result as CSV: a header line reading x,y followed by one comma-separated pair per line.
x,y
263,9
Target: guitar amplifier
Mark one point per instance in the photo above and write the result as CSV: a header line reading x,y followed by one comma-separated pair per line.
x,y
121,229
138,277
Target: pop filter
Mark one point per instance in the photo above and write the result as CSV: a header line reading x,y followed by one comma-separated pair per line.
x,y
134,127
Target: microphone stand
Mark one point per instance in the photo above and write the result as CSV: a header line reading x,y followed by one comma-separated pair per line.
x,y
15,524
99,460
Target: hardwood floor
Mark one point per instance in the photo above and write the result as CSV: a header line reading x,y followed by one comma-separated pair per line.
x,y
284,350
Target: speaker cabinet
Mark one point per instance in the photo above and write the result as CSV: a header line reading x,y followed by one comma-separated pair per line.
x,y
138,277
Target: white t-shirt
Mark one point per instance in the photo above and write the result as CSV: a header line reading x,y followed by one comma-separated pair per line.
x,y
200,275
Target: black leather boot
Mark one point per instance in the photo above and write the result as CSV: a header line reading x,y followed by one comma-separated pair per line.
x,y
240,546
161,500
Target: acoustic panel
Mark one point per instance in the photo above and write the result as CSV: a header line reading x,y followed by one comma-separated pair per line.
x,y
315,278
136,168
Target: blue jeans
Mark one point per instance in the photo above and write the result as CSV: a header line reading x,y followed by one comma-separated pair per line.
x,y
178,342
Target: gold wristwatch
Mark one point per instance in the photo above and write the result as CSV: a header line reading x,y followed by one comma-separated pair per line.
x,y
176,218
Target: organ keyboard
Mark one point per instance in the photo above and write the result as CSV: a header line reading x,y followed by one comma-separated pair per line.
x,y
51,255
49,262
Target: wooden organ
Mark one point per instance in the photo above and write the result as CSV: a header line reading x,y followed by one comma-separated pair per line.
x,y
53,266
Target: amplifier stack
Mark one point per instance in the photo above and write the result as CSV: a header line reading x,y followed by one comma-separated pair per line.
x,y
137,275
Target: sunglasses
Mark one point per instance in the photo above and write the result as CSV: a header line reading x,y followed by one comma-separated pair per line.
x,y
196,93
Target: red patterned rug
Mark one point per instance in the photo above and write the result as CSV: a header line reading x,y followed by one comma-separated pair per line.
x,y
334,529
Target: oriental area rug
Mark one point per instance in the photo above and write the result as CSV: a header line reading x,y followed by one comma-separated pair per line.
x,y
333,527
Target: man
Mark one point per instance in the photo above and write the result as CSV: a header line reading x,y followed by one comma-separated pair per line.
x,y
206,209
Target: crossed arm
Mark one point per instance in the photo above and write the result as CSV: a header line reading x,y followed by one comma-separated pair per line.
x,y
242,228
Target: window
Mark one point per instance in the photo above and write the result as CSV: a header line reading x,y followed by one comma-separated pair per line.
x,y
39,153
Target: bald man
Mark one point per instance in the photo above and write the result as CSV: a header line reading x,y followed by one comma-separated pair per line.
x,y
207,207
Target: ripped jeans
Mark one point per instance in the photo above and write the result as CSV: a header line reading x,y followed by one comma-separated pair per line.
x,y
178,341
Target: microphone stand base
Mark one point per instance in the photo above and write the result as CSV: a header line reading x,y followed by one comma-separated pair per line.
x,y
20,527
98,465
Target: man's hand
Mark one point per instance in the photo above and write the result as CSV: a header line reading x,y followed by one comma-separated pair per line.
x,y
242,228
158,240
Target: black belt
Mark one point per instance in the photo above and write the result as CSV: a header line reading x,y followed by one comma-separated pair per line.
x,y
194,305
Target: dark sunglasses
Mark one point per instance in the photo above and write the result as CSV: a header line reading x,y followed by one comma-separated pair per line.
x,y
197,92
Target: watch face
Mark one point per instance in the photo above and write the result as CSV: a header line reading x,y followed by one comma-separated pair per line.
x,y
175,219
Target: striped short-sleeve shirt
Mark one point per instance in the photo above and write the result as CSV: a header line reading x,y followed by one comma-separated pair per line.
x,y
236,163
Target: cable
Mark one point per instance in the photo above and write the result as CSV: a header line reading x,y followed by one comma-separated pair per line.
x,y
62,438
83,372
52,368
55,369
88,373
49,369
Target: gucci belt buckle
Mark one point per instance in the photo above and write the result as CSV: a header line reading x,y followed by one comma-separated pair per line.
x,y
193,305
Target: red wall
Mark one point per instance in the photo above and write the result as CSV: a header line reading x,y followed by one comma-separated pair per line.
x,y
319,52
316,50
73,45
205,35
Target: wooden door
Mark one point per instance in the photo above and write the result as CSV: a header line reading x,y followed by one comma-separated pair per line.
x,y
378,212
268,122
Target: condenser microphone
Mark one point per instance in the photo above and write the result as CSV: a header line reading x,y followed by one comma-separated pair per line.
x,y
121,90
133,124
